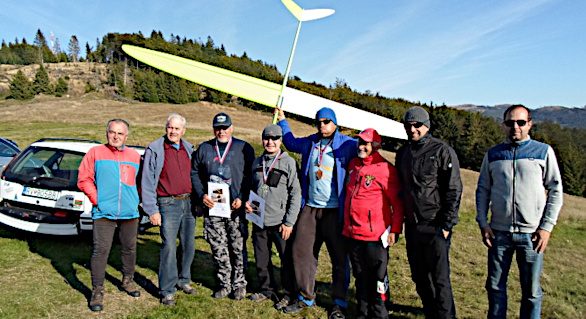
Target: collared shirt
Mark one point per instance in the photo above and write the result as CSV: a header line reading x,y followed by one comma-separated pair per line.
x,y
175,177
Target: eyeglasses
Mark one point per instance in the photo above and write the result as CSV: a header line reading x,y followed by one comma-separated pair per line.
x,y
272,138
511,123
221,128
326,122
415,125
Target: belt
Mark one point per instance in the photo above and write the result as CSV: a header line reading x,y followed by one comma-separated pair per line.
x,y
178,197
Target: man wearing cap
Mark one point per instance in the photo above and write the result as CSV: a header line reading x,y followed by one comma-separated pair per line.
x,y
520,183
373,220
274,178
166,190
430,177
324,158
225,160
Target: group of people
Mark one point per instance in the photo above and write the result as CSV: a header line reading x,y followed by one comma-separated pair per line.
x,y
344,194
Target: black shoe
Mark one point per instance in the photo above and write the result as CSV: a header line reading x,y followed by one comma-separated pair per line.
x,y
337,313
187,288
296,307
168,300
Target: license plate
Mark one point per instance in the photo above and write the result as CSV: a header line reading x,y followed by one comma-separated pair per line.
x,y
40,193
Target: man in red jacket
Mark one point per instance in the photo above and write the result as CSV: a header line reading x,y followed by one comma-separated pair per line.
x,y
373,220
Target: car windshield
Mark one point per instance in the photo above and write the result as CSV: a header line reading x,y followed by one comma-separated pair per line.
x,y
6,150
45,167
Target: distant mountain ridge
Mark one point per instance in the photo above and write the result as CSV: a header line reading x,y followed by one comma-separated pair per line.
x,y
564,116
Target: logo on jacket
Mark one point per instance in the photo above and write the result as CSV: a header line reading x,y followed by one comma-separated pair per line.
x,y
369,179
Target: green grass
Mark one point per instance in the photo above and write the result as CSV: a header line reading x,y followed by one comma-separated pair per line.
x,y
45,276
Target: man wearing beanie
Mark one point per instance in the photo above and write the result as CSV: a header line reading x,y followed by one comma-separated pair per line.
x,y
430,176
324,158
372,206
274,178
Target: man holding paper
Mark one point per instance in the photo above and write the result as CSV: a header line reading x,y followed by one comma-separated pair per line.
x,y
220,175
373,220
274,179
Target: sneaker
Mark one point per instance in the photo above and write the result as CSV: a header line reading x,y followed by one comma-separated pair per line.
x,y
97,299
130,287
284,302
337,313
258,296
187,288
222,293
168,300
296,307
240,293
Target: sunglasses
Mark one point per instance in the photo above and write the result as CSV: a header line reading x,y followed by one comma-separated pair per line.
x,y
221,128
272,138
415,125
326,122
511,123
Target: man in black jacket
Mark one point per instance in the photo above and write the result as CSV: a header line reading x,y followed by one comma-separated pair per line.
x,y
430,175
225,160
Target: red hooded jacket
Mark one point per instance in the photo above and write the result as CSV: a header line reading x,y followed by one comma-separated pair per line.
x,y
372,199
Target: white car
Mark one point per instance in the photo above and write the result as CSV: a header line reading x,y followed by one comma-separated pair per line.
x,y
38,189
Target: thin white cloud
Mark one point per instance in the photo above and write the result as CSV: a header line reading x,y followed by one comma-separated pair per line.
x,y
417,59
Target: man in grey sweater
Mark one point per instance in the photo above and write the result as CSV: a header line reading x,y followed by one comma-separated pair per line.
x,y
521,183
274,178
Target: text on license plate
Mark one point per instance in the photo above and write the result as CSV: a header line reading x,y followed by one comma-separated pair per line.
x,y
41,193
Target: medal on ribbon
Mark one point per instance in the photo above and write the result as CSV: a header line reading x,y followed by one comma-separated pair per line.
x,y
222,157
319,174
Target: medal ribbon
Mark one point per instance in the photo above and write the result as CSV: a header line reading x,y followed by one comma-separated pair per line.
x,y
322,151
223,157
265,172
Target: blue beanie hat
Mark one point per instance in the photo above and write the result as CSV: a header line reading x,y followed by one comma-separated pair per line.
x,y
326,113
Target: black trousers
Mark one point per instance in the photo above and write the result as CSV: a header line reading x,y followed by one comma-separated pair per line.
x,y
428,254
103,236
263,240
369,266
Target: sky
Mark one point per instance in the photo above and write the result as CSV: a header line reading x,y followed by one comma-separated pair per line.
x,y
449,52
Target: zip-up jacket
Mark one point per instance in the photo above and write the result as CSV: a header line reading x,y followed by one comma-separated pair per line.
x,y
108,177
154,160
205,162
372,189
522,186
344,149
432,188
283,199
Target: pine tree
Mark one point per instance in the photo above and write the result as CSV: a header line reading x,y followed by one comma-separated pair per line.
x,y
61,87
20,87
41,82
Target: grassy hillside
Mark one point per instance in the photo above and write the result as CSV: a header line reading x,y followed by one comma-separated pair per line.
x,y
49,277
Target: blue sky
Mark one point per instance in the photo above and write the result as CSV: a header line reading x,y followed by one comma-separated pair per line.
x,y
453,52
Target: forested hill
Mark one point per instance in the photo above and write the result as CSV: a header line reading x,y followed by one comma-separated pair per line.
x,y
564,116
119,76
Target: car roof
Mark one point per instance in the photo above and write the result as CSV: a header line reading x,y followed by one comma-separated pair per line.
x,y
82,147
10,143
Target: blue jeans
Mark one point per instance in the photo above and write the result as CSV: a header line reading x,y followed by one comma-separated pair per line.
x,y
530,264
176,218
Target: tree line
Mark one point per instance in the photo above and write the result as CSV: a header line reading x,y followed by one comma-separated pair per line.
x,y
470,133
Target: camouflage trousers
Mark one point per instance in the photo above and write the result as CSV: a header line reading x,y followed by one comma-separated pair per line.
x,y
226,241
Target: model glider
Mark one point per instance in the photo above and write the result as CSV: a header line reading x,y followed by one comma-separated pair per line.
x,y
265,92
